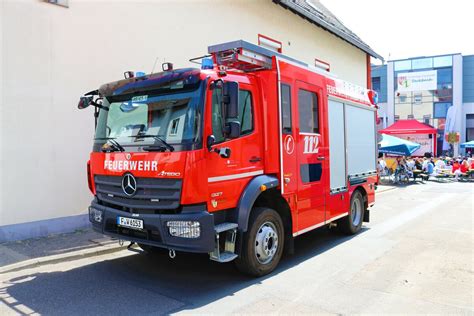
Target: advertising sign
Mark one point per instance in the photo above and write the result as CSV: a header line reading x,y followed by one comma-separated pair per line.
x,y
417,81
423,139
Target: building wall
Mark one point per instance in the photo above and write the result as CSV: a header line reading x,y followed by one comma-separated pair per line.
x,y
468,78
51,55
468,125
2,84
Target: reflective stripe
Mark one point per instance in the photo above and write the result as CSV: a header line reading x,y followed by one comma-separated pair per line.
x,y
235,176
319,225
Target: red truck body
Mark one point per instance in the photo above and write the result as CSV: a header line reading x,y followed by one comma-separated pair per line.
x,y
285,169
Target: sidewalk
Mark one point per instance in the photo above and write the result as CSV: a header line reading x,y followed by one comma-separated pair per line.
x,y
54,248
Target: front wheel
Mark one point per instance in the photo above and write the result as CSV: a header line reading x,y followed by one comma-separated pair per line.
x,y
262,244
352,223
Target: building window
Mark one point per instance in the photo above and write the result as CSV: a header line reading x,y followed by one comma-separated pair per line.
x,y
427,119
422,63
442,61
440,109
376,84
417,98
174,127
469,127
402,65
308,111
402,97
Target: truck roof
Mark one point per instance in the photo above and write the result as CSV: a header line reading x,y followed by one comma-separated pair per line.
x,y
149,82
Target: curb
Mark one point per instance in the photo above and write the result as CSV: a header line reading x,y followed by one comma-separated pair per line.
x,y
81,254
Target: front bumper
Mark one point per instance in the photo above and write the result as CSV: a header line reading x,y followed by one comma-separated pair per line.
x,y
155,232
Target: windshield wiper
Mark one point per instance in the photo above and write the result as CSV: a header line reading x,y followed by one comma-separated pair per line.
x,y
113,144
156,137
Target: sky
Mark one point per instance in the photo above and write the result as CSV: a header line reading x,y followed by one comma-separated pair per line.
x,y
409,28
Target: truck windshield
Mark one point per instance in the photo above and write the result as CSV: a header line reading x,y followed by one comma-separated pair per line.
x,y
133,121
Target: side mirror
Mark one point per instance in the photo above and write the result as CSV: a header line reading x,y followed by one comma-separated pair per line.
x,y
233,129
211,140
84,102
231,99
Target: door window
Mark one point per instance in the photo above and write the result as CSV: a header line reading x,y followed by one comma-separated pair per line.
x,y
286,108
308,111
246,112
245,116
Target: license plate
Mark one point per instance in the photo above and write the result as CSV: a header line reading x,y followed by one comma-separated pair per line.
x,y
133,223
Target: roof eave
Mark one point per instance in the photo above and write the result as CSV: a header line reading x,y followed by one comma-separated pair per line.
x,y
287,4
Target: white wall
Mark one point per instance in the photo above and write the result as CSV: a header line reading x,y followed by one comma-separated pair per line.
x,y
2,123
51,55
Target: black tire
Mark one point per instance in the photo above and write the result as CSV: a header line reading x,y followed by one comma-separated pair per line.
x,y
260,257
352,223
150,250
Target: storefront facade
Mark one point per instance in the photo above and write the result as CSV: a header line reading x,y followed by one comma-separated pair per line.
x,y
436,90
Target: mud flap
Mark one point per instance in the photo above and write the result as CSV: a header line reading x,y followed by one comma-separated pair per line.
x,y
366,216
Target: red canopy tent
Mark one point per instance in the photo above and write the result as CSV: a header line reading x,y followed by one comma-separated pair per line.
x,y
405,128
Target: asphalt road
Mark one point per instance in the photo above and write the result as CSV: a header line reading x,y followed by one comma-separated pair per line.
x,y
416,256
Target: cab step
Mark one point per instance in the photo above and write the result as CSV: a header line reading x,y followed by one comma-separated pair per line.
x,y
229,230
225,256
225,226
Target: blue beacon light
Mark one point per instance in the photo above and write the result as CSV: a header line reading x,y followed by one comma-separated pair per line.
x,y
207,63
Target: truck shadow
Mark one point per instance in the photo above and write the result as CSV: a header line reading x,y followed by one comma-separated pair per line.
x,y
141,284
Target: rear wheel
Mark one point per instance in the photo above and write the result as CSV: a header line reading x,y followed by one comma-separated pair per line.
x,y
262,244
352,223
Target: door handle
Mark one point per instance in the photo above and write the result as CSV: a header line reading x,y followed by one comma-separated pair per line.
x,y
321,158
255,159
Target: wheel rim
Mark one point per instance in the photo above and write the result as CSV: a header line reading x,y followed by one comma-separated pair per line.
x,y
266,243
356,212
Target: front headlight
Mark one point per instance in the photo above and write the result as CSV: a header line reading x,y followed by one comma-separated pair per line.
x,y
184,229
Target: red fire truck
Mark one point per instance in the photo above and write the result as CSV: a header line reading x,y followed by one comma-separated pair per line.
x,y
234,159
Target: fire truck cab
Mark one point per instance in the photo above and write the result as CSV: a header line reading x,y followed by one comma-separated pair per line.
x,y
234,159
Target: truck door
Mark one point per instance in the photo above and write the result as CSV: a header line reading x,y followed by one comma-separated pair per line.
x,y
311,155
289,150
228,176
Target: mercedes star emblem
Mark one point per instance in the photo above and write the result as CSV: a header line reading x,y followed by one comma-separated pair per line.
x,y
129,184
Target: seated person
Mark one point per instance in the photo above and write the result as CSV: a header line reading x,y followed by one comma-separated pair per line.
x,y
440,163
456,166
464,166
470,163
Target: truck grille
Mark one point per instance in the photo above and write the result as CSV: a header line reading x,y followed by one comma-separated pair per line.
x,y
151,194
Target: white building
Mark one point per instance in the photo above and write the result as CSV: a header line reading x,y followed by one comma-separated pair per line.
x,y
51,54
